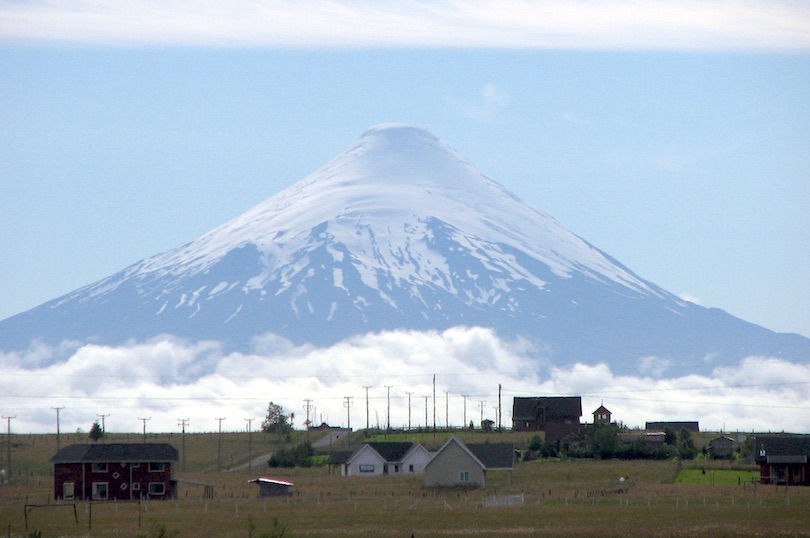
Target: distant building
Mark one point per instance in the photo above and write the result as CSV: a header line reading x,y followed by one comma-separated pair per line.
x,y
457,464
602,416
783,459
721,447
373,459
651,440
115,471
558,417
271,487
690,426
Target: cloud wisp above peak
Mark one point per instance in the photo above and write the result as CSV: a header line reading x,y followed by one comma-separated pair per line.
x,y
558,24
166,378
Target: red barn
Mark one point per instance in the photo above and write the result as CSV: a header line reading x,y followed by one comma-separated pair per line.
x,y
115,471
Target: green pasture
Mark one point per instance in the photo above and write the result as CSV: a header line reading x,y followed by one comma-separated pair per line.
x,y
711,477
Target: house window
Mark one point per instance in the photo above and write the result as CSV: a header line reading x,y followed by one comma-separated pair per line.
x,y
364,468
98,467
410,468
68,490
99,491
136,487
157,467
464,476
157,488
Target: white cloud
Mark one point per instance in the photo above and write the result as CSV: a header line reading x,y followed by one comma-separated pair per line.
x,y
166,379
686,296
610,24
491,101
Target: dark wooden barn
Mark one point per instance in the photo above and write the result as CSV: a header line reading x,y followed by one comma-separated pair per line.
x,y
783,459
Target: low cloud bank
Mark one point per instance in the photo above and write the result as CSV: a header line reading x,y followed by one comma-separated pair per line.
x,y
614,24
167,379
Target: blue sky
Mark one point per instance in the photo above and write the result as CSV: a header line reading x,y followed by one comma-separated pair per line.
x,y
685,158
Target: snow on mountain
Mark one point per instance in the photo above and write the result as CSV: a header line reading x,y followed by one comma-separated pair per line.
x,y
397,231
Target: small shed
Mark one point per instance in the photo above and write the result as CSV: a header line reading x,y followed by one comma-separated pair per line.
x,y
272,487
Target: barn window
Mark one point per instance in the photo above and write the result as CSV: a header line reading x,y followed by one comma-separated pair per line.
x,y
156,467
98,467
157,488
99,491
68,490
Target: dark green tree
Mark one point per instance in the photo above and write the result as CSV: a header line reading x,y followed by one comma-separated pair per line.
x,y
276,420
604,442
686,446
96,432
298,456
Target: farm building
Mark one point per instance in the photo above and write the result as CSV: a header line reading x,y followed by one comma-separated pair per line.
x,y
271,487
373,459
602,415
651,440
783,459
557,416
461,465
116,471
721,447
691,426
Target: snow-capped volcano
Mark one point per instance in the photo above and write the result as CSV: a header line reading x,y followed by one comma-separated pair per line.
x,y
396,232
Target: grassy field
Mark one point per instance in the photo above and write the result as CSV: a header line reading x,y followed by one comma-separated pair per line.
x,y
560,498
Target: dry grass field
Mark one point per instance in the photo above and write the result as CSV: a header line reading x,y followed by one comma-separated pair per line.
x,y
560,498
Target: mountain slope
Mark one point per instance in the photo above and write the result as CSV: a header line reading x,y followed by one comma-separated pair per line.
x,y
398,231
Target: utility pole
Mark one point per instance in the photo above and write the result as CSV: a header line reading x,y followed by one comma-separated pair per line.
x,y
388,412
426,412
499,406
144,426
464,396
308,408
219,444
103,426
8,421
482,403
434,404
183,422
348,405
409,408
250,445
57,409
366,387
447,409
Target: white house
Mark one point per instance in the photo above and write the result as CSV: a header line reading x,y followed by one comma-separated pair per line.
x,y
386,458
